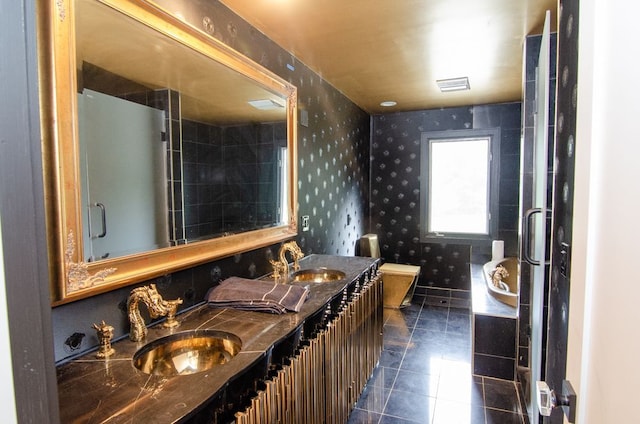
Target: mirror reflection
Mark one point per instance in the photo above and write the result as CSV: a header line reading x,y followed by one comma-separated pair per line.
x,y
173,146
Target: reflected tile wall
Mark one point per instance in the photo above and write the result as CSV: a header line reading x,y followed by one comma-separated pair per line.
x,y
229,176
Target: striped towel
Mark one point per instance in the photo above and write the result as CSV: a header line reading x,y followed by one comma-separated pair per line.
x,y
257,295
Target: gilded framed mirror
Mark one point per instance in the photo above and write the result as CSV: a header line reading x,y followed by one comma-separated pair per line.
x,y
164,148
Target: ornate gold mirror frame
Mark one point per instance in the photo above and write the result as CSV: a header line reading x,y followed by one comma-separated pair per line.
x,y
72,278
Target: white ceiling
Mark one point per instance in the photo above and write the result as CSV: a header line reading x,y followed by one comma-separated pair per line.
x,y
377,50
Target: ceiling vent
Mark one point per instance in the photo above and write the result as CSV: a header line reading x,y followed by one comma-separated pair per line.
x,y
453,84
267,104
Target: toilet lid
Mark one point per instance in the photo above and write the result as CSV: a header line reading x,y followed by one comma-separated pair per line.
x,y
400,269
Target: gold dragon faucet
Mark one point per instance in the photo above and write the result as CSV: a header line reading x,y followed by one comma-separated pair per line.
x,y
281,266
157,306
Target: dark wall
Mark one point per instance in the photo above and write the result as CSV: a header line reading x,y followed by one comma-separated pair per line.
x,y
395,188
24,250
564,173
333,151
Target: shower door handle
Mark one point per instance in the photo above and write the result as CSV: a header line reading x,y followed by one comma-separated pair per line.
x,y
103,213
526,234
103,218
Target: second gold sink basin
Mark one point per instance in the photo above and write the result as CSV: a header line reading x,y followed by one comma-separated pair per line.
x,y
317,275
187,352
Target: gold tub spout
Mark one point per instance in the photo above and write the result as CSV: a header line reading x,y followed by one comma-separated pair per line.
x,y
156,305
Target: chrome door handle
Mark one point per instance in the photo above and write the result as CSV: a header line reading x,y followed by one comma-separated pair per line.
x,y
526,235
548,400
103,212
103,215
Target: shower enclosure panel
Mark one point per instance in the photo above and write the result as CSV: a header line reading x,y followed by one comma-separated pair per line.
x,y
535,222
123,173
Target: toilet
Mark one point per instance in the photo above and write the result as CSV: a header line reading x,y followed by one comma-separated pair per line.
x,y
398,281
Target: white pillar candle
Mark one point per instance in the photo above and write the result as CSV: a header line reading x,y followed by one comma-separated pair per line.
x,y
497,250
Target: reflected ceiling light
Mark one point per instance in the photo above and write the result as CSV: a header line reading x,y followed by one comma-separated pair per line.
x,y
388,103
453,84
267,104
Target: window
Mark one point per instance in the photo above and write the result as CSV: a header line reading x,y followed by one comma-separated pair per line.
x,y
458,177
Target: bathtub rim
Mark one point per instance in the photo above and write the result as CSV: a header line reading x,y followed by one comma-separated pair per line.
x,y
508,298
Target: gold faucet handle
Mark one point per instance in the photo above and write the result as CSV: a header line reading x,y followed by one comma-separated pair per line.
x,y
105,334
172,309
279,270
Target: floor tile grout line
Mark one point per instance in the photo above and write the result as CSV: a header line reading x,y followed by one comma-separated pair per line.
x,y
413,328
519,413
523,412
435,404
484,403
483,381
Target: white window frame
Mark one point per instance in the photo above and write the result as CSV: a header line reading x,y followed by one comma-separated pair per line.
x,y
492,193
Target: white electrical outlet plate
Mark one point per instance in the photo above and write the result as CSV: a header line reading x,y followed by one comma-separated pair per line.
x,y
305,222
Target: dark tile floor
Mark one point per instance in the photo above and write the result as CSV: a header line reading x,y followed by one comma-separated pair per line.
x,y
424,374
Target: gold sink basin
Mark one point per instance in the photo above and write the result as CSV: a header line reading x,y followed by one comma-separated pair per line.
x,y
188,352
317,275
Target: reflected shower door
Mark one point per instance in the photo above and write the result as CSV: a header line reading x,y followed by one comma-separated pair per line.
x,y
123,172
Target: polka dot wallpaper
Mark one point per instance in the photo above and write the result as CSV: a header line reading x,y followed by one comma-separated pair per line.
x,y
395,188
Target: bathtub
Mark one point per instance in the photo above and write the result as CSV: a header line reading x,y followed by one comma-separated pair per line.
x,y
508,293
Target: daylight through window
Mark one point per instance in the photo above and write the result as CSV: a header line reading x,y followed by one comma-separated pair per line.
x,y
456,187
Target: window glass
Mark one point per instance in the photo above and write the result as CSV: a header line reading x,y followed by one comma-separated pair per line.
x,y
458,185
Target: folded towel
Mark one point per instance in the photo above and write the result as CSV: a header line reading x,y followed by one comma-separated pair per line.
x,y
256,295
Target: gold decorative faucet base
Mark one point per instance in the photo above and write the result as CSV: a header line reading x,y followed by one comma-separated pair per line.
x,y
105,334
172,306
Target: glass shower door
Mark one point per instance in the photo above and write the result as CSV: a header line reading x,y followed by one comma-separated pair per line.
x,y
536,218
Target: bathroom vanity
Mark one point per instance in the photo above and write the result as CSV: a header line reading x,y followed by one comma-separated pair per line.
x,y
296,367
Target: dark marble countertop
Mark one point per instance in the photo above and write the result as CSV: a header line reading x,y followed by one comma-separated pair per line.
x,y
114,391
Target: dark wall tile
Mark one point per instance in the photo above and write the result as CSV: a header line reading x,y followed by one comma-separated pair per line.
x,y
492,366
509,192
495,336
510,141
